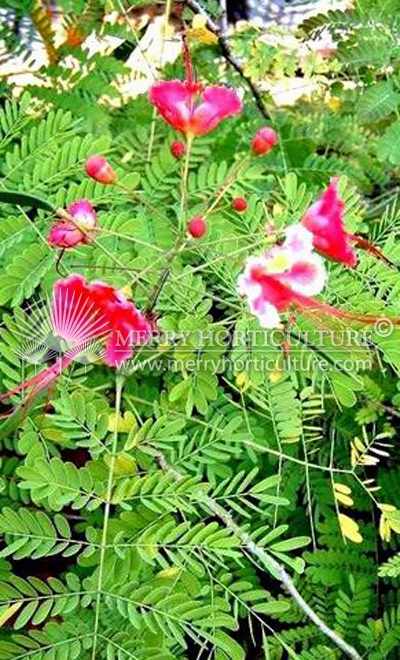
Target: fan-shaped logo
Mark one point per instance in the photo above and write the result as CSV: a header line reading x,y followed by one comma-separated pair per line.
x,y
49,329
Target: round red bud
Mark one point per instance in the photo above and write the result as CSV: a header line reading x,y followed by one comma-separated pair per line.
x,y
177,149
99,169
239,204
263,141
197,226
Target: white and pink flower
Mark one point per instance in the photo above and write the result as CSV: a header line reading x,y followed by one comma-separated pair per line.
x,y
283,277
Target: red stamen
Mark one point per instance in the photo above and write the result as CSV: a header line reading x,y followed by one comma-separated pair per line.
x,y
304,304
188,63
41,380
369,247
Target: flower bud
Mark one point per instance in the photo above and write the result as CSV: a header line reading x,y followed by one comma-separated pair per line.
x,y
177,149
197,227
239,204
263,141
76,225
99,169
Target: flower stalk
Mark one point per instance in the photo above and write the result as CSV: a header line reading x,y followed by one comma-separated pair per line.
x,y
118,395
183,207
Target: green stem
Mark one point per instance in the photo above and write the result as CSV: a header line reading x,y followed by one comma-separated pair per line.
x,y
164,275
182,212
138,197
118,392
231,178
152,135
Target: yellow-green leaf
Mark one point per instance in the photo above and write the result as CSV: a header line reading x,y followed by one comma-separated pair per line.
x,y
350,528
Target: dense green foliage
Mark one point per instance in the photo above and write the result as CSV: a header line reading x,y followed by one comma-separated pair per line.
x,y
111,547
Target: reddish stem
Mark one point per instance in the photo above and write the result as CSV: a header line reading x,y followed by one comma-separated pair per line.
x,y
41,380
303,303
369,247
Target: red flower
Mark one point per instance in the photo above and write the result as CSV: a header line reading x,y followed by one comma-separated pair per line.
x,y
324,219
81,313
67,234
99,169
285,278
263,141
176,103
99,310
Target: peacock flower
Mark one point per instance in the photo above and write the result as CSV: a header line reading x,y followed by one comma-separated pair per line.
x,y
76,226
82,313
86,311
286,277
324,219
189,108
176,103
282,277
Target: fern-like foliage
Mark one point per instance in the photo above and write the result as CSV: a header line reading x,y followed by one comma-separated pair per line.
x,y
142,510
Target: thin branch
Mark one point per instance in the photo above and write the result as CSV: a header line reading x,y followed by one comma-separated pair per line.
x,y
268,562
107,508
223,18
223,43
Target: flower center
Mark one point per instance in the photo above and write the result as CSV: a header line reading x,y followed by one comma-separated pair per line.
x,y
278,264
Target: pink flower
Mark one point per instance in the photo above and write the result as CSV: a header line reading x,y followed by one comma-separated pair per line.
x,y
81,313
325,220
99,169
176,103
263,141
282,277
285,278
79,228
98,310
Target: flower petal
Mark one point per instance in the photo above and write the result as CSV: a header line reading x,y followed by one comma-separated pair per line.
x,y
75,315
306,276
64,235
267,314
173,100
83,213
265,294
218,103
299,240
67,234
130,329
325,220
